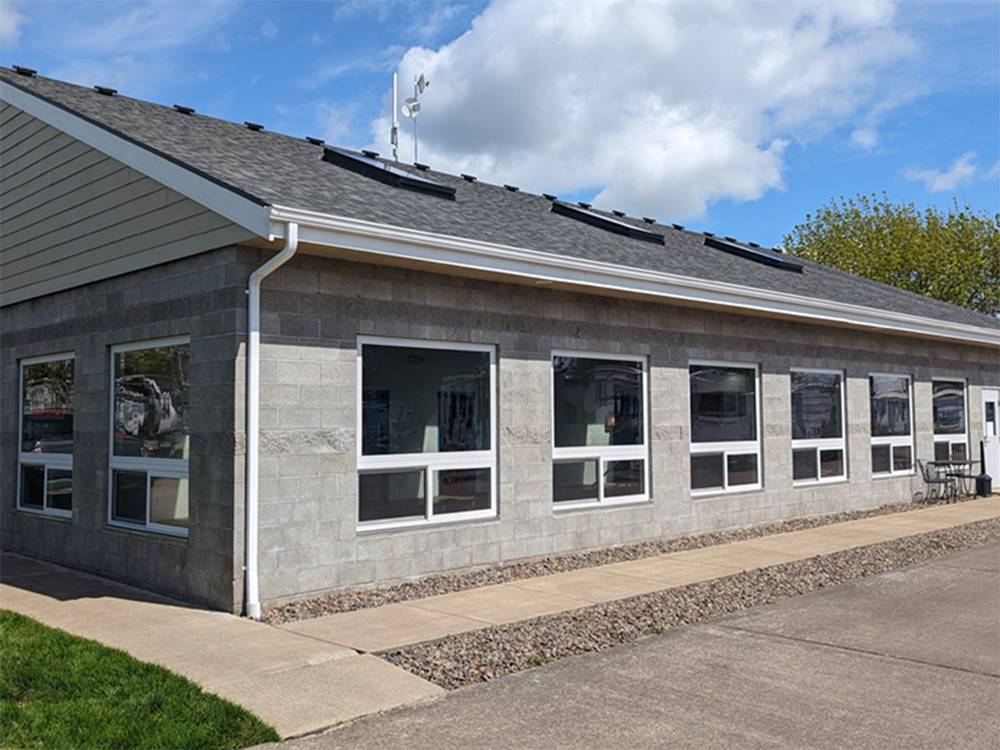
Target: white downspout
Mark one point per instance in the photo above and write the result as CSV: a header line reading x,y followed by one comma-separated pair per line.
x,y
251,596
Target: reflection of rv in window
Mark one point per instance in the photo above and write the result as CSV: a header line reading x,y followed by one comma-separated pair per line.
x,y
146,421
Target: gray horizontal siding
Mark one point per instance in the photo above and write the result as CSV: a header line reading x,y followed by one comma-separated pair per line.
x,y
69,215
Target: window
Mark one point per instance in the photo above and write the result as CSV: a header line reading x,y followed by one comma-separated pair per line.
x,y
818,452
599,429
427,424
725,433
150,437
892,427
45,453
951,437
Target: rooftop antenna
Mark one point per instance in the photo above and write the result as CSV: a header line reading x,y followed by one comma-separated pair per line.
x,y
394,133
411,108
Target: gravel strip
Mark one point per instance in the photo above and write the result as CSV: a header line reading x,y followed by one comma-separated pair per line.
x,y
446,583
484,655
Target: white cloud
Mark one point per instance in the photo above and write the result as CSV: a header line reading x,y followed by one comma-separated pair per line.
x,y
134,47
865,137
961,172
994,171
269,29
660,107
10,22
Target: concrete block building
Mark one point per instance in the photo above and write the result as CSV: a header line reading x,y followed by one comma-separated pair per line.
x,y
243,368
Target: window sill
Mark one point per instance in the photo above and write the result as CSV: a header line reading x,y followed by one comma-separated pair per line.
x,y
371,528
625,502
742,490
54,515
819,482
179,535
895,475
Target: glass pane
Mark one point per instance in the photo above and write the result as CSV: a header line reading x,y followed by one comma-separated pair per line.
x,y
47,408
949,407
831,463
151,402
418,400
168,501
623,478
723,405
460,490
942,451
32,485
742,469
397,494
991,419
60,489
597,402
706,471
901,459
816,406
574,480
804,464
881,459
129,502
959,452
890,397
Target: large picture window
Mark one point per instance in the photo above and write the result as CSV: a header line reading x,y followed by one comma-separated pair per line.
x,y
150,438
818,449
427,420
892,425
951,436
725,427
45,453
599,429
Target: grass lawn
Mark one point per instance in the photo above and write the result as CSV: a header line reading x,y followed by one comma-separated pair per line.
x,y
60,691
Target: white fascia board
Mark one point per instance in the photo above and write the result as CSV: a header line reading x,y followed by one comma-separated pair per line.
x,y
240,210
353,234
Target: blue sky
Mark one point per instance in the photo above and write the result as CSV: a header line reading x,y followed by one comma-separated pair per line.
x,y
737,118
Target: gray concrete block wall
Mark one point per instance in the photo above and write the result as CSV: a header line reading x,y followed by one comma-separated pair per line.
x,y
201,297
317,307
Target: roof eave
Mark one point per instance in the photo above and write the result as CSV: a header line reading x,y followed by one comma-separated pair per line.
x,y
475,255
240,208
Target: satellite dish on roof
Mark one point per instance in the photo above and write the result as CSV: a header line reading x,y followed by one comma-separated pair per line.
x,y
410,107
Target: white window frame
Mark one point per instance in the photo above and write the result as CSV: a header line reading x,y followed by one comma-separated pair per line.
x,y
57,461
172,468
894,441
727,447
603,454
949,437
431,463
821,444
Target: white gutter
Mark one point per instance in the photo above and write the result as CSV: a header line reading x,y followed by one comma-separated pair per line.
x,y
251,597
469,254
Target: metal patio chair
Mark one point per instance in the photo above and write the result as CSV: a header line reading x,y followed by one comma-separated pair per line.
x,y
939,486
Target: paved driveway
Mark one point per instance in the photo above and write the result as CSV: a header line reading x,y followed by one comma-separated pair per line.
x,y
909,659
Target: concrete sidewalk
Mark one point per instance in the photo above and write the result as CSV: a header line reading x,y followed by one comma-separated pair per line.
x,y
907,659
312,674
295,683
395,625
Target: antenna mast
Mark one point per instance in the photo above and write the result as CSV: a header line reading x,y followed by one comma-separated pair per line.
x,y
411,106
394,133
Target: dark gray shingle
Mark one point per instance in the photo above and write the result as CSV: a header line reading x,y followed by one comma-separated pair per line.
x,y
277,169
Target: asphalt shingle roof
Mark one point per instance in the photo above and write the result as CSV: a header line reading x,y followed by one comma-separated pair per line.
x,y
277,169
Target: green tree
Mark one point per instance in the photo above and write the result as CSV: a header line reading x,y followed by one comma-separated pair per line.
x,y
953,256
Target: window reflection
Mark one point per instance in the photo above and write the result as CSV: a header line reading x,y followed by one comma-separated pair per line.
x,y
151,402
815,405
418,400
890,397
949,407
723,404
47,407
597,402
